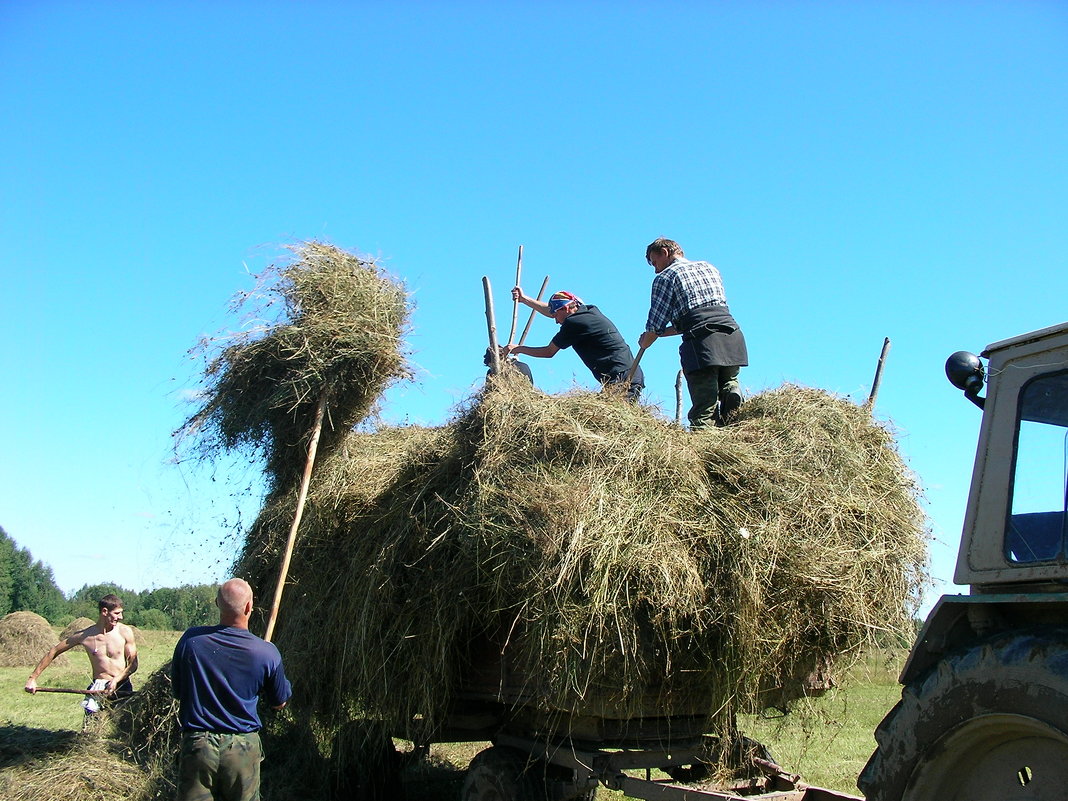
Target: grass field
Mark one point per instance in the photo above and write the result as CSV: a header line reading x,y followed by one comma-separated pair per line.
x,y
826,740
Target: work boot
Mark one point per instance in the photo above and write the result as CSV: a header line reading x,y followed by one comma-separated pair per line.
x,y
729,403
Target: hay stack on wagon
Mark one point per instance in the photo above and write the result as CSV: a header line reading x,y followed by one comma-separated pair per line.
x,y
608,554
24,639
601,554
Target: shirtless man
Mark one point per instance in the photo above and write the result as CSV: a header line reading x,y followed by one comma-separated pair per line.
x,y
111,649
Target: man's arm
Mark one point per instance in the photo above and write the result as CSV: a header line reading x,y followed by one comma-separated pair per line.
x,y
277,688
46,660
540,306
543,352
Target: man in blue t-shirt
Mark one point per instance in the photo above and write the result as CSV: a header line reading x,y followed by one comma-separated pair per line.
x,y
218,674
594,337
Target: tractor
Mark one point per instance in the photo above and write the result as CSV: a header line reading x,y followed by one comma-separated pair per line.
x,y
983,713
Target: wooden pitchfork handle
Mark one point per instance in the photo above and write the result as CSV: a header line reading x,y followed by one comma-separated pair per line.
x,y
530,319
634,367
67,690
302,496
515,303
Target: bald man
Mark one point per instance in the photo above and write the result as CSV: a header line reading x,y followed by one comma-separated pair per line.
x,y
218,674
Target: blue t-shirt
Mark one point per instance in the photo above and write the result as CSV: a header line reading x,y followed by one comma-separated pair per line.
x,y
217,675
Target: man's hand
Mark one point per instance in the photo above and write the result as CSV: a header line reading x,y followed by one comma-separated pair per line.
x,y
506,350
517,294
31,686
647,338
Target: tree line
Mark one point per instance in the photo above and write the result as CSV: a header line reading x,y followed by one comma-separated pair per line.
x,y
28,584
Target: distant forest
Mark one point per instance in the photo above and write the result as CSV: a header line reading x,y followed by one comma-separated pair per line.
x,y
29,585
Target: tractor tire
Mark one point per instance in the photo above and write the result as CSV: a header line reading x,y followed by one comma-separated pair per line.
x,y
987,723
500,773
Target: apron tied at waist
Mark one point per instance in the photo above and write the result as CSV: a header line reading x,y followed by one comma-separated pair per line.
x,y
710,338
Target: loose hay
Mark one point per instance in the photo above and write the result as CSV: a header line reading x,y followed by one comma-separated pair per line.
x,y
338,323
88,768
624,566
24,638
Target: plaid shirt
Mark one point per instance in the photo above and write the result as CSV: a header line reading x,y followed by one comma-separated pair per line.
x,y
681,286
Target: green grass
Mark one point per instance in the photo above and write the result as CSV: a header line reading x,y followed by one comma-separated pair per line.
x,y
827,740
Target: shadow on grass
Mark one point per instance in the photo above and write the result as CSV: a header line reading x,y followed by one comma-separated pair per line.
x,y
19,744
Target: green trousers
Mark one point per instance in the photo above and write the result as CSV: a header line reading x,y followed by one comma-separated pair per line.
x,y
707,386
219,767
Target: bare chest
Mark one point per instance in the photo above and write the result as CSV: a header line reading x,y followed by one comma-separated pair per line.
x,y
105,647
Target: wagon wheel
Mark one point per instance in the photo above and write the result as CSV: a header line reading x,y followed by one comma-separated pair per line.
x,y
505,774
987,723
499,774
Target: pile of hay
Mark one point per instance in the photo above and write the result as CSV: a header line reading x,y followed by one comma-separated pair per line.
x,y
607,551
328,322
24,638
59,766
76,625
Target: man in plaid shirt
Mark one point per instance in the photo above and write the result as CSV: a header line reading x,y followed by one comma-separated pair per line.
x,y
688,299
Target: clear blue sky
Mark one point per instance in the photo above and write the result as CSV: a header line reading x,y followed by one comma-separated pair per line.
x,y
856,170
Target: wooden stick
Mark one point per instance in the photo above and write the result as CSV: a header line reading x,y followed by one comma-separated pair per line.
x,y
313,446
533,312
878,375
491,324
515,303
634,367
66,690
678,398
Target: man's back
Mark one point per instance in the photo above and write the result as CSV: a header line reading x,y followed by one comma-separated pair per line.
x,y
597,342
218,673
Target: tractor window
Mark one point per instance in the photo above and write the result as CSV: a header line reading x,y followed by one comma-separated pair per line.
x,y
1036,530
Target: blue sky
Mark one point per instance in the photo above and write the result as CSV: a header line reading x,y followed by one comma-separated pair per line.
x,y
856,170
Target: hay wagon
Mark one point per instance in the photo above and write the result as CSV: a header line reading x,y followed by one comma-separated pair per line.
x,y
540,752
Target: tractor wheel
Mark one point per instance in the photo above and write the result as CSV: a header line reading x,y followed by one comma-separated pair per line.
x,y
503,774
988,723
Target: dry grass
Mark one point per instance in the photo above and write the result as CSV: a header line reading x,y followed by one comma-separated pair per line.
x,y
324,322
67,767
24,638
613,557
76,625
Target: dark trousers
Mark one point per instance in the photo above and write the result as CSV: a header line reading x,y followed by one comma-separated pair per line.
x,y
707,386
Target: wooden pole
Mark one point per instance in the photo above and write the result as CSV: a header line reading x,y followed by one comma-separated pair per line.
x,y
491,324
530,319
634,367
313,446
72,692
515,303
678,398
878,375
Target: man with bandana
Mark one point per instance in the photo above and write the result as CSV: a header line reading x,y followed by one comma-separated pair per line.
x,y
594,337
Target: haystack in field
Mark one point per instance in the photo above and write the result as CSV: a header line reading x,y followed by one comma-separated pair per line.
x,y
327,322
24,639
596,549
76,625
